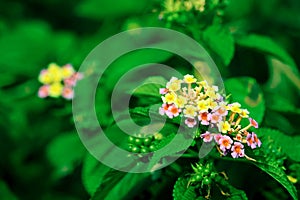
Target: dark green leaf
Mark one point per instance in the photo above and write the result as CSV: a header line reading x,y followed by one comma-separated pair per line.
x,y
64,152
247,92
266,45
233,193
103,9
290,144
277,120
277,102
103,182
93,173
5,192
120,185
182,191
279,175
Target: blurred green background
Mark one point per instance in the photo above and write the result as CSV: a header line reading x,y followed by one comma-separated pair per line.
x,y
41,155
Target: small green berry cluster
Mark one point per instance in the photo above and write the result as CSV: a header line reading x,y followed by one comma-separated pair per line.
x,y
141,145
203,174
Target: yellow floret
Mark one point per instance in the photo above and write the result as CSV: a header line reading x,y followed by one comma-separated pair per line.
x,y
202,105
45,78
235,107
67,71
180,101
224,127
189,79
170,98
211,103
174,84
190,111
55,72
244,113
211,93
203,84
55,89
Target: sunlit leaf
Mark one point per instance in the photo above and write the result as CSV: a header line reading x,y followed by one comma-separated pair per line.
x,y
220,41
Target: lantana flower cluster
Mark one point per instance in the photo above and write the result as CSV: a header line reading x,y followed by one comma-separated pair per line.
x,y
58,81
202,104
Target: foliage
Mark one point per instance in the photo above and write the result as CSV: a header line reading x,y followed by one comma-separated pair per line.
x,y
255,47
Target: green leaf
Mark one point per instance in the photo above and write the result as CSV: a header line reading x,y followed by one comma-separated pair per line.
x,y
5,192
220,41
247,92
181,190
281,64
151,86
284,80
234,193
6,79
267,46
290,144
277,120
180,143
181,138
93,173
103,182
119,185
102,9
279,175
153,112
131,61
65,153
277,102
23,90
28,39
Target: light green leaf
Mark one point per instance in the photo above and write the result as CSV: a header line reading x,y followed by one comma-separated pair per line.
x,y
151,86
220,41
247,92
176,145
